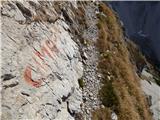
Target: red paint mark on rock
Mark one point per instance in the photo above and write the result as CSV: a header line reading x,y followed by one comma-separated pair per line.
x,y
51,46
39,64
47,49
28,78
42,53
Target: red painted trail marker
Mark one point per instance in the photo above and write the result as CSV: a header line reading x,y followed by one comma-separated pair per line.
x,y
46,50
28,78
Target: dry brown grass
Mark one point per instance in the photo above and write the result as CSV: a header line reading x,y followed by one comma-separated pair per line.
x,y
136,56
101,114
129,101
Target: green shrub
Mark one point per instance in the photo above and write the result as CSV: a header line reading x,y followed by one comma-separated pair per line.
x,y
157,80
108,96
81,83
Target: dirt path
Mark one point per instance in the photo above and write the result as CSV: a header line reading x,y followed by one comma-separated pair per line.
x,y
91,77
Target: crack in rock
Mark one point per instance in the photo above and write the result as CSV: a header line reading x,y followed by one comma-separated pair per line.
x,y
11,85
6,77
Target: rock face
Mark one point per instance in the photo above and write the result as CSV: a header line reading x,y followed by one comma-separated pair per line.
x,y
152,92
41,63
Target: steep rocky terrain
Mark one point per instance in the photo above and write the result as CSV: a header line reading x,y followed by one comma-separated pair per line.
x,y
141,20
66,61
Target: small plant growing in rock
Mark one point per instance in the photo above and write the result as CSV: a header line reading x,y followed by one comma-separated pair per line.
x,y
108,96
106,54
81,82
157,80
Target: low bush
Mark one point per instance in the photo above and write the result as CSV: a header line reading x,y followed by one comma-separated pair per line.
x,y
81,83
108,96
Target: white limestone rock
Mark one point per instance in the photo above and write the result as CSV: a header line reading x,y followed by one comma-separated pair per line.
x,y
40,68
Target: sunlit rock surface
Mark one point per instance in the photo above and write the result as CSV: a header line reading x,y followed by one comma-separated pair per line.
x,y
40,64
152,91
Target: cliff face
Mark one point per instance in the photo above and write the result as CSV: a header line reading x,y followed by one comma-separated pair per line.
x,y
67,60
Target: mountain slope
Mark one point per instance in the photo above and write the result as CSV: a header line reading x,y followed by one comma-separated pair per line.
x,y
67,60
121,91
